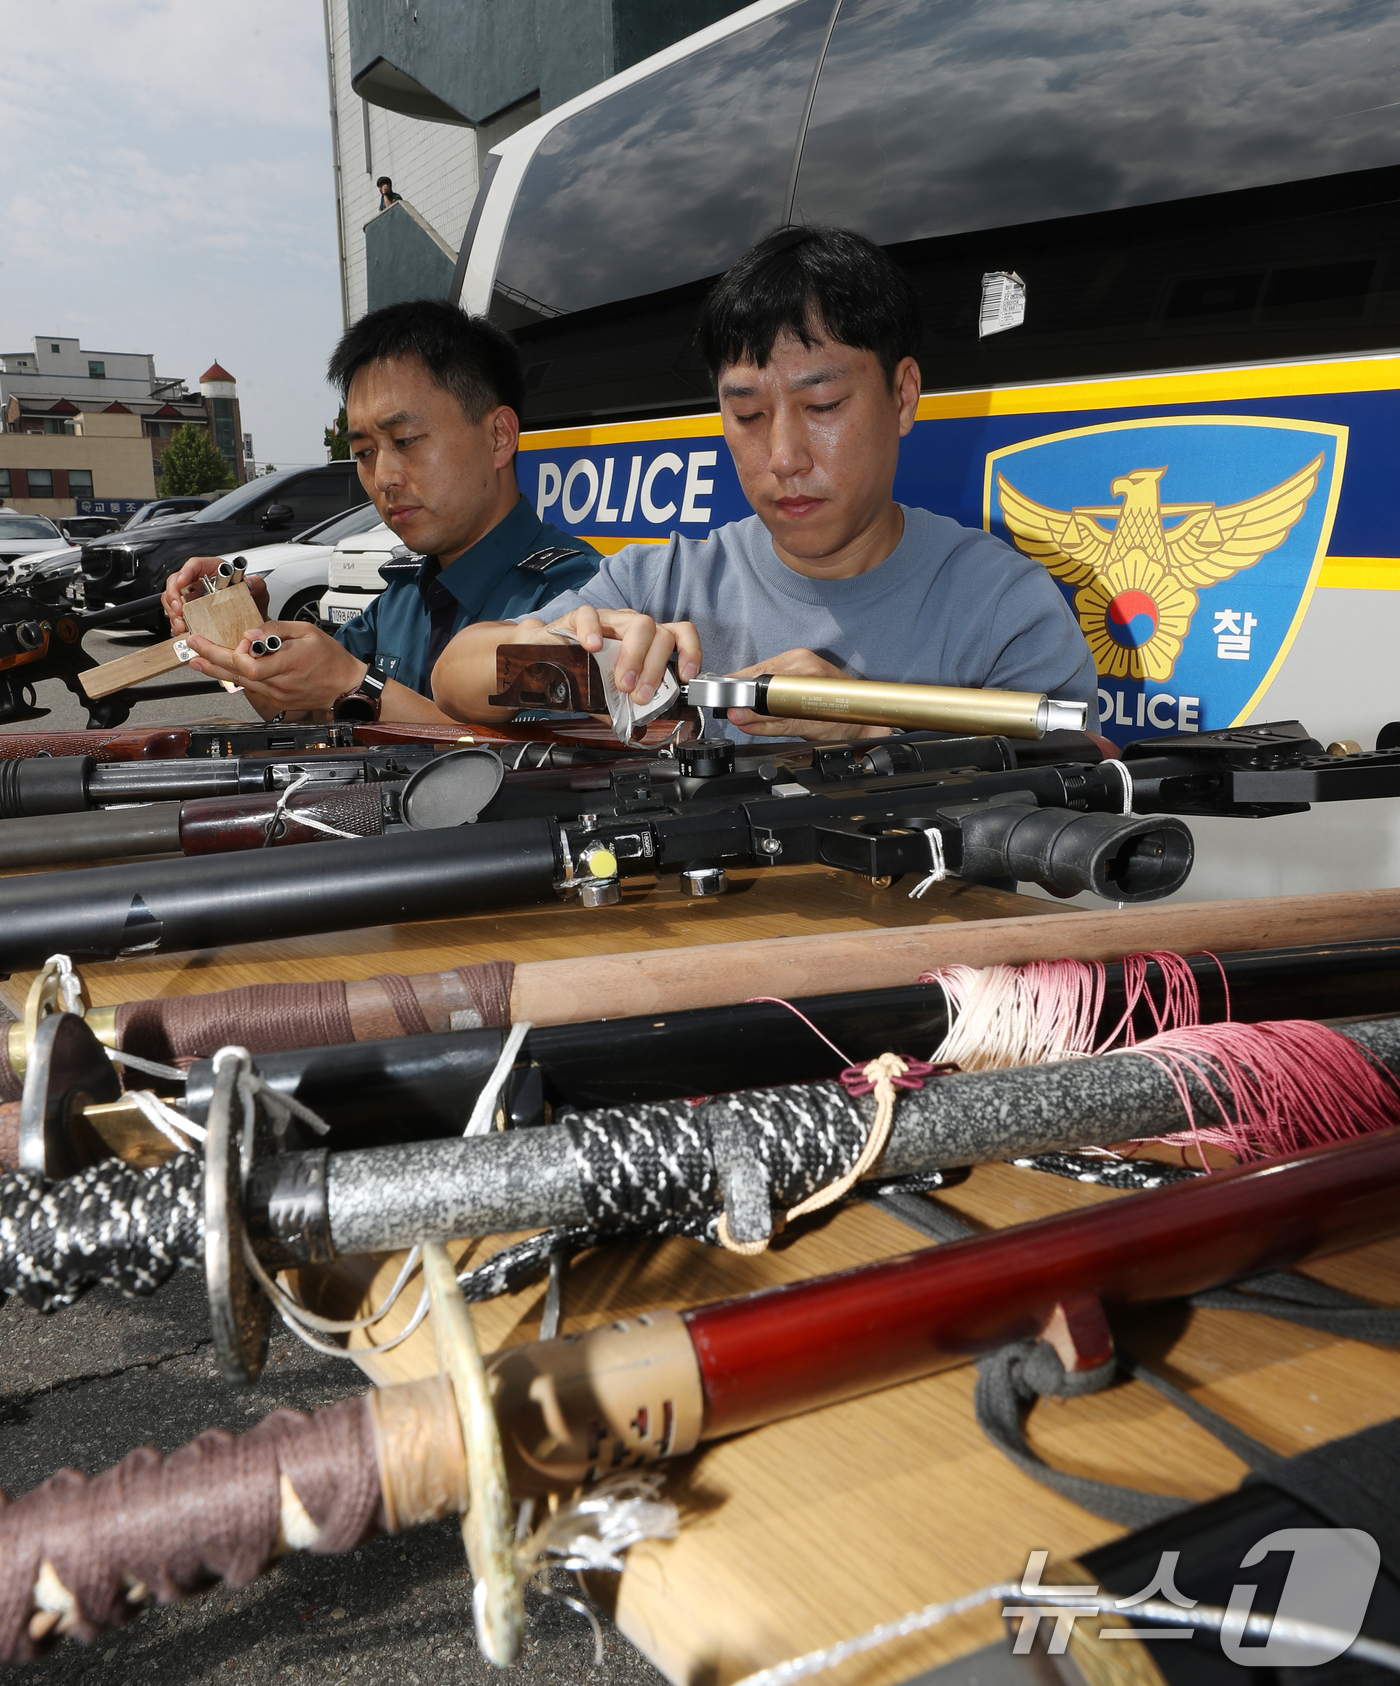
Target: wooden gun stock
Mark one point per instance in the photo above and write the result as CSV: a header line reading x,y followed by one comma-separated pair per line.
x,y
561,677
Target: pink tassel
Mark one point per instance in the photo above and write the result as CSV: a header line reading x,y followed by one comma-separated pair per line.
x,y
1277,1086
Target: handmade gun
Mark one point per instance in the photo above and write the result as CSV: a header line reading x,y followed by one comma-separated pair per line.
x,y
567,678
41,637
78,1555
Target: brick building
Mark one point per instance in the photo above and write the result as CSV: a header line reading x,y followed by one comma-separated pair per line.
x,y
45,394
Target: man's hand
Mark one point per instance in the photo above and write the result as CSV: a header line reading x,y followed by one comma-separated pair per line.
x,y
195,569
307,674
804,664
646,646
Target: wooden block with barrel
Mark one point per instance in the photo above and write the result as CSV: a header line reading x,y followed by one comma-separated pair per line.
x,y
221,616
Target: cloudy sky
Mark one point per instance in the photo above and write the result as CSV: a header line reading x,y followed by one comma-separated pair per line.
x,y
167,188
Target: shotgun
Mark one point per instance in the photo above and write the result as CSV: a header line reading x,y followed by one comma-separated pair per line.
x,y
79,1555
395,791
1062,826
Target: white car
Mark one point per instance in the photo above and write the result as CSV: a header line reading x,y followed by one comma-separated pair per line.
x,y
26,540
355,578
297,572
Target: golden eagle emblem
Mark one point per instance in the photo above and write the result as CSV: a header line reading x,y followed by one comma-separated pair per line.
x,y
1136,577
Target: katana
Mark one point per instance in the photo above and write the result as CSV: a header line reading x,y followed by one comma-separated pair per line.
x,y
647,1169
425,1086
80,1555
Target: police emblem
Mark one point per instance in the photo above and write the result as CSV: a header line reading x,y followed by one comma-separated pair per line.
x,y
1137,571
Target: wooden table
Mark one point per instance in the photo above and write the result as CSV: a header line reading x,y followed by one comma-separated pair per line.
x,y
809,1531
773,902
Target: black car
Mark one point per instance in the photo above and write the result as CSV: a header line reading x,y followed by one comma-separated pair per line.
x,y
277,507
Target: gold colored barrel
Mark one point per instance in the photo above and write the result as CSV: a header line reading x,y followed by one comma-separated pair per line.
x,y
935,708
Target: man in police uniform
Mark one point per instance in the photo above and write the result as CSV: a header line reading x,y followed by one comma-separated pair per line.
x,y
433,400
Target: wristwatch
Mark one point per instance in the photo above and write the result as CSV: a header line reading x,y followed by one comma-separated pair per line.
x,y
363,702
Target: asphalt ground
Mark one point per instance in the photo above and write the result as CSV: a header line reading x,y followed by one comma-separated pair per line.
x,y
82,1387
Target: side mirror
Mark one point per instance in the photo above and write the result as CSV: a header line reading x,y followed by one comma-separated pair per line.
x,y
278,515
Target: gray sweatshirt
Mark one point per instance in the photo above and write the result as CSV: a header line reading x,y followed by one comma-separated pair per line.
x,y
949,606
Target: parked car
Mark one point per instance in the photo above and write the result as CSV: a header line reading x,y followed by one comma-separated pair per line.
x,y
297,573
78,527
357,573
162,509
136,563
24,536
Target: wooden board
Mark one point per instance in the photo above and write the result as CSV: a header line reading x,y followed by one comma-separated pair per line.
x,y
223,616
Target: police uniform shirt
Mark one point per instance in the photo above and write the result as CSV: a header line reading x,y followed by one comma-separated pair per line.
x,y
515,569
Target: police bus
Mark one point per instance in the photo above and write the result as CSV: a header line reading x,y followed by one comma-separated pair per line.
x,y
1157,252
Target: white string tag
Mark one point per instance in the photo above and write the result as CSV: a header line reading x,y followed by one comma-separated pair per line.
x,y
938,869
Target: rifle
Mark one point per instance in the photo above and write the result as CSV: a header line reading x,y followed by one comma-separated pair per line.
x,y
376,792
628,1394
165,743
372,1092
354,790
1061,825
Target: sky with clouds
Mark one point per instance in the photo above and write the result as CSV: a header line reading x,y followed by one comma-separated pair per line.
x,y
168,188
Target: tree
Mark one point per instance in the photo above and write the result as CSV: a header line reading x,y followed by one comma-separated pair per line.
x,y
338,438
193,463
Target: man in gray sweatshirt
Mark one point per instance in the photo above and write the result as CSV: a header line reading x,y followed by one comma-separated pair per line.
x,y
811,338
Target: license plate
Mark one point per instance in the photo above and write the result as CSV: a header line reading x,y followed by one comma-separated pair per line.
x,y
340,614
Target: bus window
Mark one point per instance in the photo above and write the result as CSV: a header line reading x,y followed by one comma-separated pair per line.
x,y
938,116
665,181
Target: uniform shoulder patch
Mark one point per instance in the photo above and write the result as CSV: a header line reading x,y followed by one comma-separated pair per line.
x,y
538,561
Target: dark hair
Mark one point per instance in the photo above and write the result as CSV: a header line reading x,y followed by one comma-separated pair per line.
x,y
796,280
466,355
383,182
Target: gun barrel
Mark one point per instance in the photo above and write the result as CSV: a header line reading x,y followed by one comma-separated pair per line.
x,y
874,702
102,835
201,902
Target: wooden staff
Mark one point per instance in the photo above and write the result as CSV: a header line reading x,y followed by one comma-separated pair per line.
x,y
78,1555
269,1017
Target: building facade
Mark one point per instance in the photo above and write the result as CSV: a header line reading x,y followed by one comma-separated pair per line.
x,y
73,399
101,455
421,94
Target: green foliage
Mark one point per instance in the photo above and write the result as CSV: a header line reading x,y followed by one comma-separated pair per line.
x,y
193,463
338,438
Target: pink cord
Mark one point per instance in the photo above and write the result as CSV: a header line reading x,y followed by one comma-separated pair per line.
x,y
777,1001
1278,1087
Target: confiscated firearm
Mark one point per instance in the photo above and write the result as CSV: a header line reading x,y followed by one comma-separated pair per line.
x,y
71,809
166,743
1061,825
